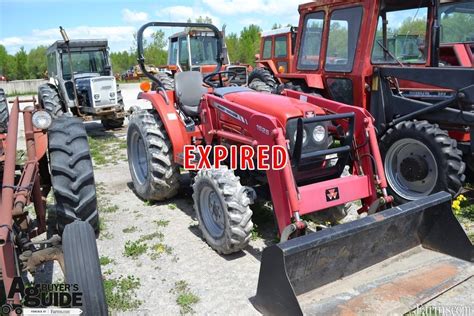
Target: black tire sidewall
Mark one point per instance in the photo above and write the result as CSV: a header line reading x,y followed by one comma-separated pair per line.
x,y
222,240
142,189
429,142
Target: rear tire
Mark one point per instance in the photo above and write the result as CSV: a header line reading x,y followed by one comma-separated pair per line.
x,y
262,80
421,159
82,267
49,99
4,116
154,174
112,123
165,79
222,207
72,174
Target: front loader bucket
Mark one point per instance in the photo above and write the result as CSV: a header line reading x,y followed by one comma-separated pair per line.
x,y
387,263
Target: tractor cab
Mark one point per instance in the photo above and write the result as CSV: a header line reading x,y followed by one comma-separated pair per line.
x,y
195,49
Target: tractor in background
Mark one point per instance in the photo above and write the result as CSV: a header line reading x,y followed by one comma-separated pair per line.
x,y
322,138
347,51
81,82
195,49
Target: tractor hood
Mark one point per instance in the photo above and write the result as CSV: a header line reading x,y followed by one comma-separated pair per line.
x,y
281,107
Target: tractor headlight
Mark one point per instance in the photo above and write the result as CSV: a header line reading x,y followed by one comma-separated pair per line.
x,y
97,96
319,134
112,94
305,137
42,120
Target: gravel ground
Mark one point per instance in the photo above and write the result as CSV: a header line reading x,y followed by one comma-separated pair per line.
x,y
222,284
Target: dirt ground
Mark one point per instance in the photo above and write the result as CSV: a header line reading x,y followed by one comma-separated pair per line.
x,y
159,250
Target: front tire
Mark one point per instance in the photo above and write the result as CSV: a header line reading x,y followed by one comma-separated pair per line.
x,y
222,206
155,176
72,174
421,159
82,267
49,99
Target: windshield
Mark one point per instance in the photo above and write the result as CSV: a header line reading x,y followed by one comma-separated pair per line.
x,y
311,41
457,22
83,62
203,50
402,37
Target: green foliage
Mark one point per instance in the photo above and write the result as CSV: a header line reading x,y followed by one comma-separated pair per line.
x,y
37,62
457,27
185,298
249,44
413,27
21,59
120,293
134,249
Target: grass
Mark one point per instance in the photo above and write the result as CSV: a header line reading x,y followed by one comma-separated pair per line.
x,y
161,223
104,234
130,229
104,260
105,149
134,249
172,206
22,94
151,236
120,293
185,298
105,204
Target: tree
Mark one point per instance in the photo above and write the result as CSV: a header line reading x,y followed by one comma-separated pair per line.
x,y
249,43
413,27
232,42
155,52
37,62
21,60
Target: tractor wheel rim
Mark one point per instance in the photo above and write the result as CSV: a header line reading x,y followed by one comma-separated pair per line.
x,y
400,154
212,212
139,158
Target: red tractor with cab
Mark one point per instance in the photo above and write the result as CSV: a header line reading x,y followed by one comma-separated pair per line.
x,y
356,52
322,138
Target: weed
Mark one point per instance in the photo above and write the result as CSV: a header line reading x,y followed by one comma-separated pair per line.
x,y
104,149
159,249
149,203
172,206
161,223
151,236
104,260
184,297
255,234
120,293
130,229
134,249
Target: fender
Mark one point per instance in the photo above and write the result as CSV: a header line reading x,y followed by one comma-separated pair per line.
x,y
173,124
312,80
41,143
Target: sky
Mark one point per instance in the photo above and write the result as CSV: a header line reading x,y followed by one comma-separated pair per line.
x,y
29,23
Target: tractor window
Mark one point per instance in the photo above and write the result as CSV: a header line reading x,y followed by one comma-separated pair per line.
x,y
83,62
173,52
457,22
281,47
267,48
183,53
52,66
311,41
203,50
343,36
405,37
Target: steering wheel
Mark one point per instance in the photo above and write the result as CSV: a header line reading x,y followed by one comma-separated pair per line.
x,y
207,79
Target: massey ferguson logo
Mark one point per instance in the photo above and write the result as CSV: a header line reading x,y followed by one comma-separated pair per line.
x,y
332,194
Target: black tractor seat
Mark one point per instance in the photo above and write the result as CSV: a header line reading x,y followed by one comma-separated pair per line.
x,y
189,91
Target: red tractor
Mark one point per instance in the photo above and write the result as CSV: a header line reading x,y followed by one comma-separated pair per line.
x,y
354,52
321,137
195,49
57,157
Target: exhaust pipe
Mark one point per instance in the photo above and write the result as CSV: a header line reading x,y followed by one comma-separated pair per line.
x,y
398,258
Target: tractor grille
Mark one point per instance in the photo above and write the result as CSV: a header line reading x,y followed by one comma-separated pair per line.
x,y
103,91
